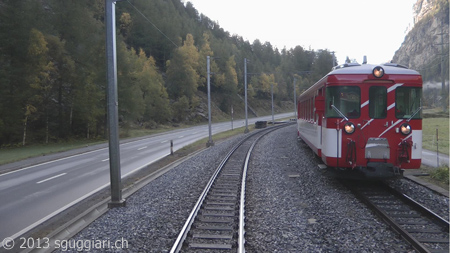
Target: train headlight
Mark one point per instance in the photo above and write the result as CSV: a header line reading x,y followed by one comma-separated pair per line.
x,y
349,128
378,72
405,129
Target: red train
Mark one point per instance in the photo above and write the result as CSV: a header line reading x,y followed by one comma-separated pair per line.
x,y
364,121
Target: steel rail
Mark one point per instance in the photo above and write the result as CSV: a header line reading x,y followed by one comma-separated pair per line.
x,y
183,233
425,212
186,227
421,208
241,239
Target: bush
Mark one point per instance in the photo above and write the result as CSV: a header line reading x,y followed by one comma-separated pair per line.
x,y
441,174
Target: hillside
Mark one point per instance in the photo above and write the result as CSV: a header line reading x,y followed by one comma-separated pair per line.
x,y
423,45
53,67
426,50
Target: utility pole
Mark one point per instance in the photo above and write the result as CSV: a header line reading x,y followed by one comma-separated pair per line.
x,y
444,89
210,141
245,84
334,59
112,100
273,120
295,98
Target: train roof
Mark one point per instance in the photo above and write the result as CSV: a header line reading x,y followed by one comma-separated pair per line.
x,y
355,68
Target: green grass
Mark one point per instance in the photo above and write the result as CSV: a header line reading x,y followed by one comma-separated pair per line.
x,y
440,174
9,155
429,126
436,119
219,136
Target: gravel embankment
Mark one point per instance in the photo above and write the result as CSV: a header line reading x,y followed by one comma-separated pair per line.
x,y
292,206
437,203
156,213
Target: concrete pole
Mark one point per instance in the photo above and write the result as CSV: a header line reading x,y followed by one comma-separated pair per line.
x,y
295,98
232,114
245,84
210,141
444,90
112,102
273,120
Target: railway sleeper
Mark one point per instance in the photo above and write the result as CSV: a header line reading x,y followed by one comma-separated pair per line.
x,y
412,222
223,194
218,213
214,227
213,236
222,198
432,240
224,208
399,209
214,219
224,203
229,192
225,186
423,230
405,215
211,246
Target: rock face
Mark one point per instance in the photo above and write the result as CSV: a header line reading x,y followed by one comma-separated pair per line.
x,y
422,46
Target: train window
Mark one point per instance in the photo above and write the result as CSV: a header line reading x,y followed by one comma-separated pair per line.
x,y
347,99
377,102
408,102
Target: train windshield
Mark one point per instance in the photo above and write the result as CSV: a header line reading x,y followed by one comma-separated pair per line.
x,y
347,99
408,103
377,102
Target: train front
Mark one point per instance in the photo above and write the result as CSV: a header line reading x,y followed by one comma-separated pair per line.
x,y
372,124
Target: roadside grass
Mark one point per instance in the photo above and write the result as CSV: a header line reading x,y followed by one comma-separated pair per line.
x,y
8,155
438,176
429,126
216,138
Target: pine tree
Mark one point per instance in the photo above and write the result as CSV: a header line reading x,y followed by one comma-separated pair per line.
x,y
182,76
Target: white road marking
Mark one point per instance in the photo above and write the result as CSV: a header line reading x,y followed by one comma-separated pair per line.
x,y
104,160
164,141
142,148
64,158
50,178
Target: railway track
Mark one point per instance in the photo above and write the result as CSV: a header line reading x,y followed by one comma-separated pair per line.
x,y
422,228
216,222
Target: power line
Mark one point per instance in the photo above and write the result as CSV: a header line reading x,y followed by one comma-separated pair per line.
x,y
152,23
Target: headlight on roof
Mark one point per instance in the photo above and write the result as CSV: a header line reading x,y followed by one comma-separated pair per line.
x,y
349,128
405,129
378,72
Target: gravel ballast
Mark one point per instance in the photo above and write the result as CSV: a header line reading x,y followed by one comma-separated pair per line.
x,y
154,216
292,205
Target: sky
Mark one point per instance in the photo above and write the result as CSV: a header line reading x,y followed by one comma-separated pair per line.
x,y
352,28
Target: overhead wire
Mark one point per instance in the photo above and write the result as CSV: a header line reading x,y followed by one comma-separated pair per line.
x,y
152,23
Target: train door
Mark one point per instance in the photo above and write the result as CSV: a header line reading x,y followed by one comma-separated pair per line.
x,y
342,108
319,106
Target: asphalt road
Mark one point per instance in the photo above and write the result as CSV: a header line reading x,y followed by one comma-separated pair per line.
x,y
35,193
433,159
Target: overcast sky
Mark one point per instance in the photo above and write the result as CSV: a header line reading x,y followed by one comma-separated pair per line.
x,y
352,28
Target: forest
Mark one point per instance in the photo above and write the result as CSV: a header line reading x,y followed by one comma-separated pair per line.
x,y
53,67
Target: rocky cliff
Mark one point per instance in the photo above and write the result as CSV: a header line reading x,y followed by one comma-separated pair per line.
x,y
422,48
